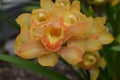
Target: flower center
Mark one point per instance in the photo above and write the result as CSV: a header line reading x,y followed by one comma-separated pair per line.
x,y
53,33
53,36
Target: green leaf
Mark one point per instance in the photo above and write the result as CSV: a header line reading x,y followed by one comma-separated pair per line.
x,y
116,48
118,39
103,75
108,54
84,9
88,12
9,22
91,12
116,67
44,71
30,8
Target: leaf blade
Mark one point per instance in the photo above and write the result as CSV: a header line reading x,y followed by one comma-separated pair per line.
x,y
44,71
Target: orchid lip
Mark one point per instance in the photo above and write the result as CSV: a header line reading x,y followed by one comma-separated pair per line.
x,y
53,35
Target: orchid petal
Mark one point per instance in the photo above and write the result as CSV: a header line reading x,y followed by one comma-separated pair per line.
x,y
94,27
78,43
24,33
75,30
31,49
23,37
105,37
46,4
18,43
64,3
60,9
76,5
39,15
100,20
72,55
93,44
48,60
102,63
94,73
24,19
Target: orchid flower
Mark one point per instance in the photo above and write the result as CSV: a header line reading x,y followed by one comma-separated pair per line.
x,y
46,30
92,61
59,30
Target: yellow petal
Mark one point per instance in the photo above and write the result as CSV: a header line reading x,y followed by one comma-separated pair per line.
x,y
94,73
78,43
64,3
100,20
24,33
72,55
60,9
93,44
24,19
48,60
94,27
46,4
39,15
31,49
105,37
76,5
75,30
23,37
102,63
18,43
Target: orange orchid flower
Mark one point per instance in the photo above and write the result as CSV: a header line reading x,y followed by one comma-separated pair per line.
x,y
44,32
59,29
